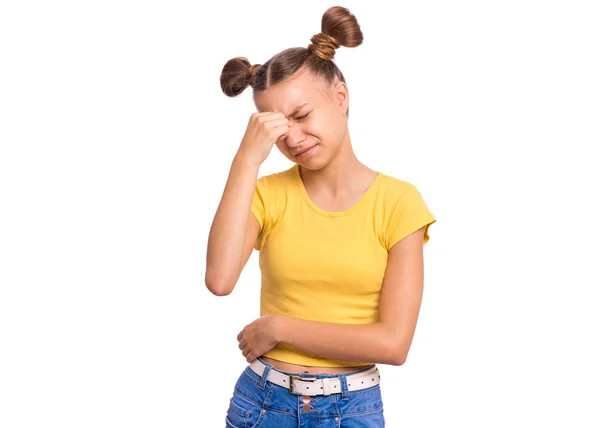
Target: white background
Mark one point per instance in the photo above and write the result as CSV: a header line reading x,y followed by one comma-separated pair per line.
x,y
116,142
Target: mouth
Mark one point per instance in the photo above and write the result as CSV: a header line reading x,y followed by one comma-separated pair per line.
x,y
306,152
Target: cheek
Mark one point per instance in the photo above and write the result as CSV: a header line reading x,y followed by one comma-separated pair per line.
x,y
323,126
316,126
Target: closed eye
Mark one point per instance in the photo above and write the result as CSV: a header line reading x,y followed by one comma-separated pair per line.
x,y
302,117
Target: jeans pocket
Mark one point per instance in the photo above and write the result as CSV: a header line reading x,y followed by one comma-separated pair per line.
x,y
243,413
363,407
237,416
371,419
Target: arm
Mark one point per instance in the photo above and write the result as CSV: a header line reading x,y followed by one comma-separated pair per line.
x,y
234,229
386,341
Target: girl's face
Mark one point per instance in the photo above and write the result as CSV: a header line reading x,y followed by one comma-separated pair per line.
x,y
317,114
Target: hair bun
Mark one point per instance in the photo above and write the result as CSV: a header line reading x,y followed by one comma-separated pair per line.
x,y
251,73
237,75
323,45
339,27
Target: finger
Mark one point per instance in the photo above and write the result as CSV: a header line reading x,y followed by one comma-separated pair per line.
x,y
269,115
273,123
271,118
282,137
242,344
240,335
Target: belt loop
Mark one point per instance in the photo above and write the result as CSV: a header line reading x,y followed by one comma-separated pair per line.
x,y
326,386
263,378
344,385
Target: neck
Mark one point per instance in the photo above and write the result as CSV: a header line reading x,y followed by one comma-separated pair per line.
x,y
343,174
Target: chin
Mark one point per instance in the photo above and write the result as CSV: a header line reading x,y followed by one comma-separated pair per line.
x,y
312,166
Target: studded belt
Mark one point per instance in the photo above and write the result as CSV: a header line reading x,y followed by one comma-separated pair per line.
x,y
306,385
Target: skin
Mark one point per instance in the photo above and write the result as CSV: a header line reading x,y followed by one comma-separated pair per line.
x,y
333,176
335,180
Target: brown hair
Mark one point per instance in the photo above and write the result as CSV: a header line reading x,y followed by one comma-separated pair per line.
x,y
338,28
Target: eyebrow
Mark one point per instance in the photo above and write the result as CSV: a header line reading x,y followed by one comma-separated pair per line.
x,y
297,109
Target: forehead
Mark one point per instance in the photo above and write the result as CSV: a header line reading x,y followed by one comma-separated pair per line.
x,y
286,96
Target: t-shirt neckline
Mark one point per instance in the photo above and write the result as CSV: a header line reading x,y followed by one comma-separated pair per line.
x,y
325,213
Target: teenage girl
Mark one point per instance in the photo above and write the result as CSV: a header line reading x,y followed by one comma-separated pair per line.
x,y
341,246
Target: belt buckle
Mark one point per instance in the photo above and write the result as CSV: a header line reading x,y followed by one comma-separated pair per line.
x,y
304,379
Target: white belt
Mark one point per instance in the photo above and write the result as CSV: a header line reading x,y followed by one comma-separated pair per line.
x,y
312,386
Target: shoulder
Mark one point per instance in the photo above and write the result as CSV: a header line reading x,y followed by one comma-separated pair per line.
x,y
400,197
274,188
394,188
403,210
278,178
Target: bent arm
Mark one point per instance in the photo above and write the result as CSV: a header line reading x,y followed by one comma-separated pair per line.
x,y
234,229
346,342
386,341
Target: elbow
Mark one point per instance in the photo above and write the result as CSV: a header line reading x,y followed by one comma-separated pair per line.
x,y
397,355
217,286
394,347
398,360
217,290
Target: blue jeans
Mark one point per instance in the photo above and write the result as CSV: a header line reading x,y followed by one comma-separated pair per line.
x,y
258,403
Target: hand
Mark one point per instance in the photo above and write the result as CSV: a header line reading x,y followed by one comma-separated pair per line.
x,y
258,337
262,131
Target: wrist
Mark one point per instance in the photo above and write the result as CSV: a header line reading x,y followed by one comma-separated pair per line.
x,y
242,157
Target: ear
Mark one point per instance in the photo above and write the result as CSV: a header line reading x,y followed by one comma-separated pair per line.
x,y
341,97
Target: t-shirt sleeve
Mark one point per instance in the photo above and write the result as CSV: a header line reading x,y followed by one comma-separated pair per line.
x,y
258,208
265,207
258,203
409,213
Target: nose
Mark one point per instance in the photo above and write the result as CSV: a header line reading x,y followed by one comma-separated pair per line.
x,y
294,136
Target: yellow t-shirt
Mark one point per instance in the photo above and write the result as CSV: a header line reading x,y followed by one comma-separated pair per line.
x,y
329,266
